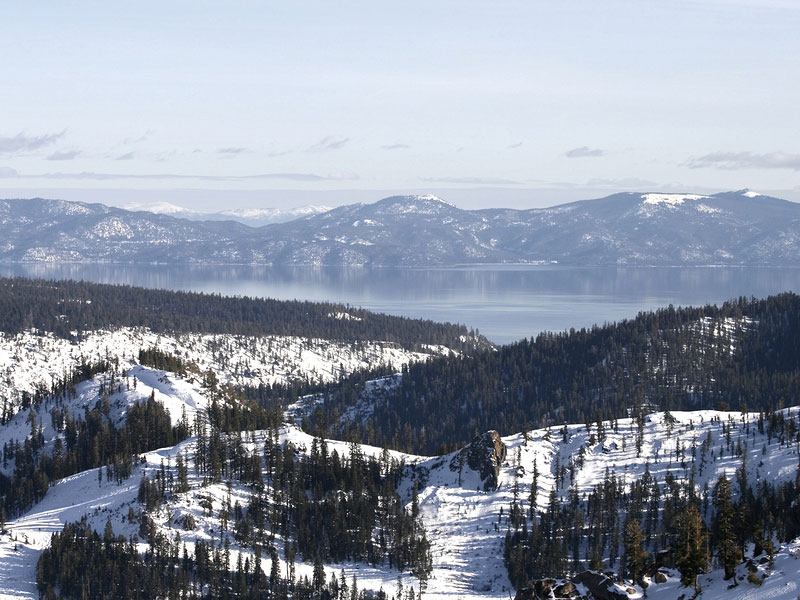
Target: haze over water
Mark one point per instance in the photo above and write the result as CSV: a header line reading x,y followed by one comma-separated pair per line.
x,y
504,302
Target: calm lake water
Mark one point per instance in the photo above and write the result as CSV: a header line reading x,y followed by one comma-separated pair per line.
x,y
504,303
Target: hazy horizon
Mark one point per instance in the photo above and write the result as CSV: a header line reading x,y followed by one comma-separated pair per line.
x,y
210,201
505,103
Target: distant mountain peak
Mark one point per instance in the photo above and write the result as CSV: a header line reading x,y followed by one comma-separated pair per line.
x,y
747,192
420,204
159,208
254,217
432,198
275,214
672,200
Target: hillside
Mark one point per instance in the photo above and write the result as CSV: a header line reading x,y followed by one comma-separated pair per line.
x,y
741,355
729,228
466,526
68,308
137,463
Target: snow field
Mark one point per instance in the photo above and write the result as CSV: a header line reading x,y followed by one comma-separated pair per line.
x,y
29,360
463,522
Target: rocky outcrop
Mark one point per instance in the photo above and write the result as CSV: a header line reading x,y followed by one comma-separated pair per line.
x,y
599,586
549,589
485,454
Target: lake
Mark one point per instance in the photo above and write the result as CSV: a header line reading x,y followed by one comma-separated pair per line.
x,y
504,302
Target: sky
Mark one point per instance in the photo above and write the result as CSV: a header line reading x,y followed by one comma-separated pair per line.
x,y
229,104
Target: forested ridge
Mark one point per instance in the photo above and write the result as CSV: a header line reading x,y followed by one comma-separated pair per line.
x,y
745,353
64,307
281,497
83,443
664,520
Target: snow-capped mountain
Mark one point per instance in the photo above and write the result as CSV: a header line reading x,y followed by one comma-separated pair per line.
x,y
729,228
254,217
257,217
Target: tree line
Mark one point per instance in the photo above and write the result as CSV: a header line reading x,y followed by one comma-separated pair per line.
x,y
743,354
82,563
66,307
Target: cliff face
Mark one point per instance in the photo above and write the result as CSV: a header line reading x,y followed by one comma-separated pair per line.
x,y
485,454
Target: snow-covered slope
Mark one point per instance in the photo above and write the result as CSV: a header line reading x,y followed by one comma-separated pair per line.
x,y
29,360
463,521
467,531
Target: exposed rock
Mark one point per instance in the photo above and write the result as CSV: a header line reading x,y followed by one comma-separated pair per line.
x,y
484,454
566,590
600,586
660,577
546,589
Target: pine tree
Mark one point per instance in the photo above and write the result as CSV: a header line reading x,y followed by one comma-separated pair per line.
x,y
728,550
690,549
635,555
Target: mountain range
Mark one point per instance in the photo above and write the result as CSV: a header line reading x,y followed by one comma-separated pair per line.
x,y
255,217
729,228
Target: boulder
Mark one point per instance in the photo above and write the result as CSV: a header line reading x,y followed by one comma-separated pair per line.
x,y
484,454
566,590
660,577
600,586
546,589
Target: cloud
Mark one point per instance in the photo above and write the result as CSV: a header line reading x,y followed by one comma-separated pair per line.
x,y
137,140
471,180
91,175
301,177
328,143
584,152
746,160
26,143
625,182
64,155
233,151
395,147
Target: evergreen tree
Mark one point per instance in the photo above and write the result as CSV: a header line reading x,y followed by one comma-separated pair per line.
x,y
728,551
690,548
635,554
